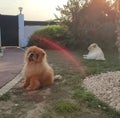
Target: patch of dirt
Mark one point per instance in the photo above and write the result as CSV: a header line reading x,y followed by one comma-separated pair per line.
x,y
37,112
22,103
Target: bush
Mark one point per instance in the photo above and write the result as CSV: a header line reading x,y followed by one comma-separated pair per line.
x,y
62,36
56,33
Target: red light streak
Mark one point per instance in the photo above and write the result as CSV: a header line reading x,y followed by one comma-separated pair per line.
x,y
54,45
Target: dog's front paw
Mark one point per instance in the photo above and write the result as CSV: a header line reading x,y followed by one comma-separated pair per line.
x,y
25,85
29,89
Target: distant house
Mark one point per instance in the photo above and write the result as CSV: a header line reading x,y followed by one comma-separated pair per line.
x,y
14,31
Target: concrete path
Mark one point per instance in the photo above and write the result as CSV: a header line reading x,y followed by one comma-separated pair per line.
x,y
11,64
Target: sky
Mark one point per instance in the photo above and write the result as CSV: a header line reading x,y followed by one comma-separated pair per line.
x,y
33,10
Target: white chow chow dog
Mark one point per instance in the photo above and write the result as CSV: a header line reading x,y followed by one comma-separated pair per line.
x,y
95,52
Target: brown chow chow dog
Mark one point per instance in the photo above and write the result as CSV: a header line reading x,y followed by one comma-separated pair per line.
x,y
37,72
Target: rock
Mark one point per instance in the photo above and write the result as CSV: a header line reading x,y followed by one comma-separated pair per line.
x,y
106,86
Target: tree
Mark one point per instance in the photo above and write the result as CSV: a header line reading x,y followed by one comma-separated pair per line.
x,y
116,6
85,18
70,15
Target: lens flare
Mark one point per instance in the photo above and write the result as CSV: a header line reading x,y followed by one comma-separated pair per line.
x,y
54,45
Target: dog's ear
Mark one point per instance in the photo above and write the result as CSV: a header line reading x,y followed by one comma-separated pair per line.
x,y
26,55
41,56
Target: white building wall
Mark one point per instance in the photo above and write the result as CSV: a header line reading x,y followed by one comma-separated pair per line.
x,y
29,30
25,31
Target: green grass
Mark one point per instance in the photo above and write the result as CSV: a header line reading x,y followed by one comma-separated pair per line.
x,y
82,96
5,97
68,99
112,63
85,105
65,106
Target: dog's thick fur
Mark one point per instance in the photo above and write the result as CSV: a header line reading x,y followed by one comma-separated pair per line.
x,y
37,72
95,52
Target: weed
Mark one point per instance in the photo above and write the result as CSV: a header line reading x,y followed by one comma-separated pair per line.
x,y
5,97
65,106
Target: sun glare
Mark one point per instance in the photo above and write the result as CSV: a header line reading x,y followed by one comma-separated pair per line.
x,y
42,8
44,4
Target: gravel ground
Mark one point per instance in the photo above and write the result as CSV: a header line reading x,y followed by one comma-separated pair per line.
x,y
106,86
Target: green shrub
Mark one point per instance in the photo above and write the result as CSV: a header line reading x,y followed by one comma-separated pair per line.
x,y
62,35
52,31
56,33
